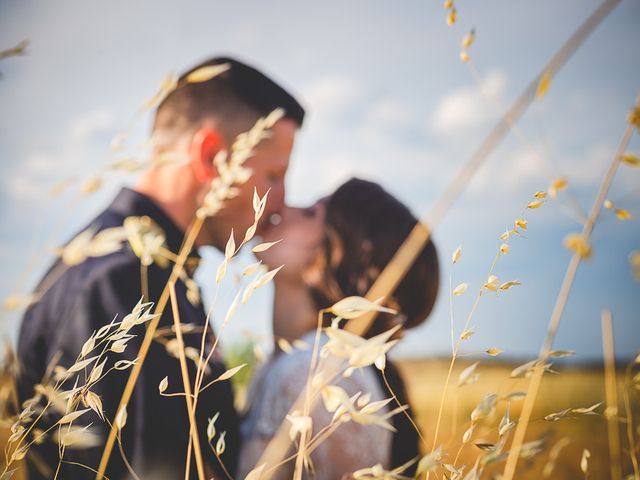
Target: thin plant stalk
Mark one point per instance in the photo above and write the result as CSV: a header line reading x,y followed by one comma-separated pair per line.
x,y
61,452
191,236
307,400
50,279
313,443
85,466
451,314
406,414
398,266
454,424
200,370
279,445
144,282
297,472
558,309
126,461
391,276
575,210
611,412
224,469
629,421
454,356
187,388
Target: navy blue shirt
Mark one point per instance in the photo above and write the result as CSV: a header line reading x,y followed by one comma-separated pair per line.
x,y
83,299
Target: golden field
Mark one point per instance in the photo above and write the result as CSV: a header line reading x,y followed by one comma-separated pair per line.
x,y
572,387
577,386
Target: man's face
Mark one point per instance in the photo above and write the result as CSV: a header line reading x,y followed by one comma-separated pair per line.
x,y
269,165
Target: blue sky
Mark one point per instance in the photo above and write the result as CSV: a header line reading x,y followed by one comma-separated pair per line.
x,y
389,100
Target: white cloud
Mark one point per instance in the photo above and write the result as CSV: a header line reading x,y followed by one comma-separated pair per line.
x,y
512,171
319,175
82,128
38,163
587,169
377,142
524,170
23,187
331,94
79,151
390,113
466,108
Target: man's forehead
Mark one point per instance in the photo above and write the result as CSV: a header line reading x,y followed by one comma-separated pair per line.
x,y
283,132
276,149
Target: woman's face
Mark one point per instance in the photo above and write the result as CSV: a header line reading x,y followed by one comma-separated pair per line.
x,y
301,231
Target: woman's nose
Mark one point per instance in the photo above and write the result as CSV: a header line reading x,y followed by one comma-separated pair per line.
x,y
293,214
289,212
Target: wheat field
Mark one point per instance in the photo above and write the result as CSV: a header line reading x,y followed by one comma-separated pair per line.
x,y
574,386
477,417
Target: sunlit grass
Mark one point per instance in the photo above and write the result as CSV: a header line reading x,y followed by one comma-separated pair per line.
x,y
552,422
573,386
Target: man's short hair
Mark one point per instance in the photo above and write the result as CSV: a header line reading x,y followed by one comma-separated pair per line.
x,y
233,99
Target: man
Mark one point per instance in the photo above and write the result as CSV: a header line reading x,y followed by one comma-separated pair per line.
x,y
195,121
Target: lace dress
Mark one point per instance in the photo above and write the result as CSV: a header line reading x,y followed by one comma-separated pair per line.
x,y
273,391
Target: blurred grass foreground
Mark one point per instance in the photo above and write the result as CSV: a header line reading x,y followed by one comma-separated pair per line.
x,y
562,442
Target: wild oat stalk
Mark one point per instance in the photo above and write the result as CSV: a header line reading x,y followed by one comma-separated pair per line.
x,y
398,266
343,353
302,447
19,49
125,163
490,285
192,233
631,436
219,192
112,337
260,279
611,389
557,182
581,250
195,437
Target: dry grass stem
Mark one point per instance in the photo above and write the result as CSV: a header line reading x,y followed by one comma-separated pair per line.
x,y
611,389
195,438
405,256
192,233
631,436
558,309
220,190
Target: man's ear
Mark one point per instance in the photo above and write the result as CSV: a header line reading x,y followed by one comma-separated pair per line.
x,y
205,144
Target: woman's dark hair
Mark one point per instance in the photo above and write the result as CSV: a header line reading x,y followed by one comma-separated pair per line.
x,y
365,227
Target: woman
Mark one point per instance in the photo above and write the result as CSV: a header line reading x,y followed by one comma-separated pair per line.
x,y
332,250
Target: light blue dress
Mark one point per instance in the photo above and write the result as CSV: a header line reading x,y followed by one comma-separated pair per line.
x,y
273,391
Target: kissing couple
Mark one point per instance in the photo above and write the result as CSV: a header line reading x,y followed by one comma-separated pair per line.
x,y
233,132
